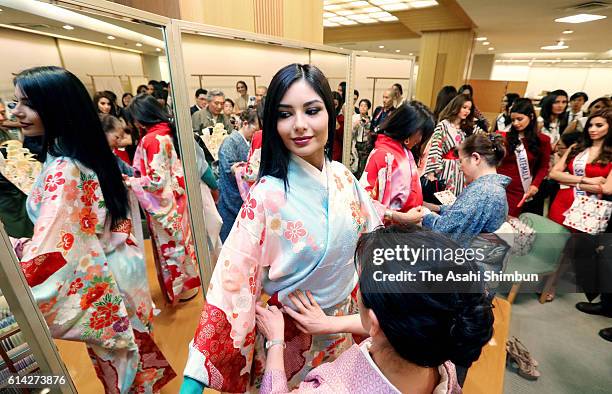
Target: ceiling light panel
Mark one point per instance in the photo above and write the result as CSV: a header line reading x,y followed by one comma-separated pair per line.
x,y
332,7
379,14
344,12
371,9
359,17
367,20
423,3
389,19
381,2
359,4
328,15
348,22
580,18
396,7
337,19
330,24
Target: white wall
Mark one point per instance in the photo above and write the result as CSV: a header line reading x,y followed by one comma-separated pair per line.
x,y
380,67
210,55
23,50
596,82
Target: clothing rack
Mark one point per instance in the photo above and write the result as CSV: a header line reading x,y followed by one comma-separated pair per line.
x,y
131,83
200,76
374,79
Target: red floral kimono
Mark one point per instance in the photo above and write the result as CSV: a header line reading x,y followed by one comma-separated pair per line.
x,y
160,190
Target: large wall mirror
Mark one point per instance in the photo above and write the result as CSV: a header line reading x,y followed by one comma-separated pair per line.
x,y
110,285
226,76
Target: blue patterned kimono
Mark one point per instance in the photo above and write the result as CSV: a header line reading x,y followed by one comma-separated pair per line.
x,y
302,239
482,207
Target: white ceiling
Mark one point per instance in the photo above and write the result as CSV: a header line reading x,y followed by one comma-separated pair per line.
x,y
518,28
523,26
15,19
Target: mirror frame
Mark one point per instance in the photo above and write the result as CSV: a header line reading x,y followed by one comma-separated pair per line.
x,y
182,101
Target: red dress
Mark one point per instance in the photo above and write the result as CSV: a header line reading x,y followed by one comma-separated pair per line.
x,y
565,197
538,167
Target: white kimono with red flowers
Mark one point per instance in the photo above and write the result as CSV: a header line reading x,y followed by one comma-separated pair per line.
x,y
281,242
89,279
159,186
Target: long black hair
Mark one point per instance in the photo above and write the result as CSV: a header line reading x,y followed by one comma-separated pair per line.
x,y
445,95
510,99
426,325
73,129
524,106
605,157
547,110
146,110
407,120
274,153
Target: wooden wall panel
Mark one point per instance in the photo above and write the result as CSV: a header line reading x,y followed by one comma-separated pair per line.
x,y
303,20
268,17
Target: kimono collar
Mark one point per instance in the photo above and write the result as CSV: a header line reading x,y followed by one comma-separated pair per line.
x,y
383,140
162,128
319,176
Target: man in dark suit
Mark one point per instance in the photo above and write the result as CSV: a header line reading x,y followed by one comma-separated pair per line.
x,y
201,102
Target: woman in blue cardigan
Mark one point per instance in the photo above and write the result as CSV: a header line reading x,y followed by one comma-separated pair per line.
x,y
482,207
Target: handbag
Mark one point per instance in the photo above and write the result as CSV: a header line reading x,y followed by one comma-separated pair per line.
x,y
524,236
430,187
588,215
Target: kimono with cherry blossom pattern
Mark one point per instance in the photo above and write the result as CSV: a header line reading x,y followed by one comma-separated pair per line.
x,y
281,242
89,279
160,190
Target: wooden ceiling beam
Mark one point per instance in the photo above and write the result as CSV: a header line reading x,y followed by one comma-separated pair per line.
x,y
448,15
370,32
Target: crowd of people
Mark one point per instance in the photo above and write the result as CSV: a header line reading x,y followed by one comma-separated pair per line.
x,y
286,309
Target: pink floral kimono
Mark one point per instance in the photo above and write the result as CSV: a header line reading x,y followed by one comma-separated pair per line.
x,y
391,176
89,279
160,190
354,372
281,242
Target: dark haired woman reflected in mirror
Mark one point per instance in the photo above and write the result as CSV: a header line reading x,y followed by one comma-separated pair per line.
x,y
82,263
159,185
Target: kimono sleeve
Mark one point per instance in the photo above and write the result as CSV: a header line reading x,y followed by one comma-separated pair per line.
x,y
221,353
433,161
66,267
154,188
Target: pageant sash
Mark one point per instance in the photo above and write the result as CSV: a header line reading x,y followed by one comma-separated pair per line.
x,y
580,163
523,166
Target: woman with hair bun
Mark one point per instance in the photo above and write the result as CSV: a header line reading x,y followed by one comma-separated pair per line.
x,y
482,206
415,335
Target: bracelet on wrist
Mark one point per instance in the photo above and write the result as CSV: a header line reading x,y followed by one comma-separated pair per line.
x,y
275,342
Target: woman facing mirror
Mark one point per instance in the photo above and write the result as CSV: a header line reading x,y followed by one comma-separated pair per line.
x,y
82,263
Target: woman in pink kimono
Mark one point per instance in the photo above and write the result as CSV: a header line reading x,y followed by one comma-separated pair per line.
x,y
390,174
85,270
297,229
416,332
159,185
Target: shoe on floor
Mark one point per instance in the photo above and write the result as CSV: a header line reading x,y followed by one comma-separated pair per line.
x,y
606,334
593,308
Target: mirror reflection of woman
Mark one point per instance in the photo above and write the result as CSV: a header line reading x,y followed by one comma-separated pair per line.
x,y
159,185
84,268
298,228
